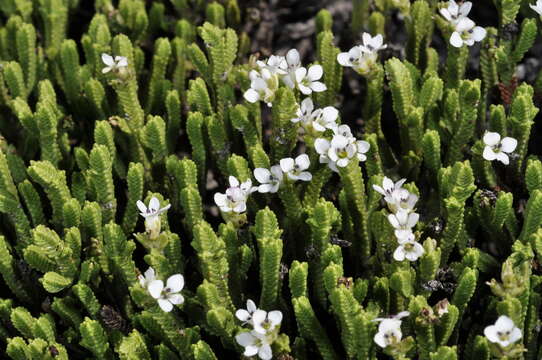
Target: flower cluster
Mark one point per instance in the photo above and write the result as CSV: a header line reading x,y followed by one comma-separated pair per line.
x,y
497,148
401,203
235,198
152,216
465,30
362,58
167,295
342,148
389,330
265,329
265,82
271,179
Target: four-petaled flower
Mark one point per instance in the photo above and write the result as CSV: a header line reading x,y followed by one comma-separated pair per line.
x,y
234,200
497,148
466,32
318,120
246,315
293,62
170,294
389,330
264,321
263,85
113,63
152,215
148,277
362,58
454,12
389,188
274,64
256,343
403,222
408,249
269,180
537,7
504,332
294,169
307,80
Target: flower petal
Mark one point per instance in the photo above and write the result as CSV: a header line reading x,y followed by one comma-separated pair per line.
x,y
489,154
251,95
262,175
508,144
292,57
251,306
287,164
456,40
141,206
344,59
220,199
265,352
502,157
399,253
165,305
242,315
318,86
275,317
315,72
155,288
300,74
478,33
108,60
175,299
245,339
302,161
175,283
321,145
154,204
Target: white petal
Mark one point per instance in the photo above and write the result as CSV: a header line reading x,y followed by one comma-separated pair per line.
x,y
302,161
154,204
245,339
342,163
150,274
262,175
491,333
175,299
106,69
456,40
413,219
478,33
287,164
464,24
251,306
305,176
444,12
453,8
379,190
122,61
489,154
300,74
399,253
363,146
275,317
305,90
393,221
504,323
315,72
141,206
515,335
155,288
318,86
491,138
242,315
265,352
321,146
292,57
232,180
379,340
330,114
251,95
344,59
508,144
277,172
165,305
502,157
175,283
220,199
108,60
241,207
465,8
265,188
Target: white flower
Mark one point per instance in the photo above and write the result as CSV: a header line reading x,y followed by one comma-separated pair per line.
x,y
389,188
504,332
403,222
275,65
307,81
246,315
344,130
389,330
497,149
235,197
403,200
113,64
537,7
306,113
408,249
265,322
454,13
362,58
263,85
319,119
327,119
293,62
336,153
294,169
148,277
255,343
169,295
152,215
270,180
466,32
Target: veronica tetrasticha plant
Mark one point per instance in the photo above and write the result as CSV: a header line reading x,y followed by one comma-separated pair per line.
x,y
179,179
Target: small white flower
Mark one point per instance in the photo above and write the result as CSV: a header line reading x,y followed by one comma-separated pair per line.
x,y
403,222
389,188
169,295
336,153
265,322
234,200
293,62
497,149
294,169
327,119
317,120
152,215
504,332
270,180
454,13
306,113
246,315
403,200
275,65
389,330
307,80
256,343
263,86
344,130
113,64
466,32
537,7
373,44
362,58
408,249
148,277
